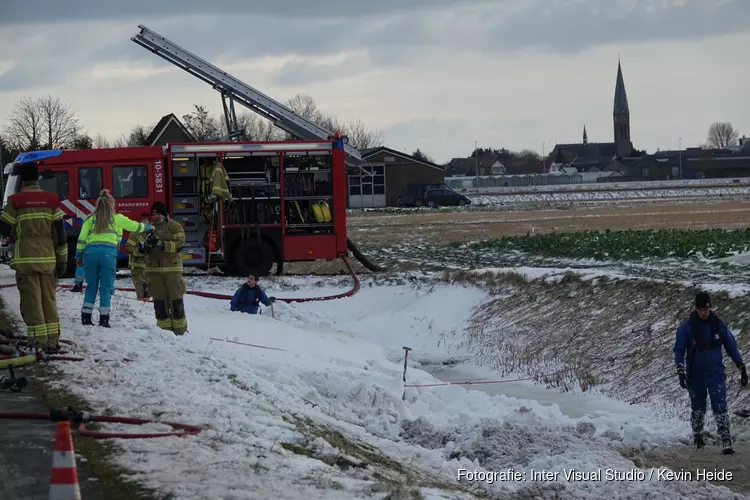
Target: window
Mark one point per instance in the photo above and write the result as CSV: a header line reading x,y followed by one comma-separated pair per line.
x,y
89,183
130,182
367,180
58,183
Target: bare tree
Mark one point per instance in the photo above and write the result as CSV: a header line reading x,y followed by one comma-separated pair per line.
x,y
137,137
42,122
360,136
24,131
59,122
722,135
201,124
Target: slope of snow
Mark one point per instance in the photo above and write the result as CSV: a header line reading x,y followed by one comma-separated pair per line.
x,y
272,417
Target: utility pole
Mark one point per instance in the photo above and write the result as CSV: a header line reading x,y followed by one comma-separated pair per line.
x,y
476,165
679,152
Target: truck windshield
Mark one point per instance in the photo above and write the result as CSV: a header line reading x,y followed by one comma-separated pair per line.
x,y
11,185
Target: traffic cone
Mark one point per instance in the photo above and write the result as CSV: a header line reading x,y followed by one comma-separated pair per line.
x,y
64,483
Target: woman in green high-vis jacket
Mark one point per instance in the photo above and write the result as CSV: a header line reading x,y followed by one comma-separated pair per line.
x,y
97,249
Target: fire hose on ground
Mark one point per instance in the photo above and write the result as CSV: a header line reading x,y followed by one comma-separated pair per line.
x,y
222,296
82,419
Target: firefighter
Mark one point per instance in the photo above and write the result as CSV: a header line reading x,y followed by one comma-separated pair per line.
x,y
164,270
100,237
136,246
40,254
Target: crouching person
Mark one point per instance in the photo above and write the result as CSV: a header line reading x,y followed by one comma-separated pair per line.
x,y
249,296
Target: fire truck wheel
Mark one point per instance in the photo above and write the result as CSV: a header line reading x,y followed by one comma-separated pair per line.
x,y
250,256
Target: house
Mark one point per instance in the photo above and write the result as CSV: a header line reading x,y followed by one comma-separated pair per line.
x,y
385,174
169,130
644,168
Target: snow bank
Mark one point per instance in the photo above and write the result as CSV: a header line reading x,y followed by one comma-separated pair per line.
x,y
324,417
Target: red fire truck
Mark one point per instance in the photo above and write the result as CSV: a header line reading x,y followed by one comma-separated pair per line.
x,y
289,198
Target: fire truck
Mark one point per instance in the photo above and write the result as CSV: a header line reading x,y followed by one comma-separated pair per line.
x,y
288,197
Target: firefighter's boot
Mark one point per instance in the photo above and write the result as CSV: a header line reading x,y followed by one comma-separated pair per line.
x,y
104,320
78,287
86,319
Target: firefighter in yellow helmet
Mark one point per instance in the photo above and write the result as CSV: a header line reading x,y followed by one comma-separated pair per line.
x,y
136,246
40,255
164,270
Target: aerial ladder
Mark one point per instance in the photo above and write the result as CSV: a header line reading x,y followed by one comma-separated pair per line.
x,y
233,90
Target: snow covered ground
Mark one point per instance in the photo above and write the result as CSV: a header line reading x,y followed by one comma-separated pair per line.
x,y
614,186
614,195
278,422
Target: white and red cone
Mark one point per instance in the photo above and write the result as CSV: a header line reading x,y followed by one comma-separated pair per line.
x,y
64,482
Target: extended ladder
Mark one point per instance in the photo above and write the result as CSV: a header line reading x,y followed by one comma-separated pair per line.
x,y
234,89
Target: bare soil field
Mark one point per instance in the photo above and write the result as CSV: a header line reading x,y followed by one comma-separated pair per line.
x,y
441,227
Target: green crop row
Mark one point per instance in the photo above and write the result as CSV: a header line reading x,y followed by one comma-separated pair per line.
x,y
627,244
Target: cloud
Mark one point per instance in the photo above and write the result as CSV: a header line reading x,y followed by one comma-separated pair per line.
x,y
506,72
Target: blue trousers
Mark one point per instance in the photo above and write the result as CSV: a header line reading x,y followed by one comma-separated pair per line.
x,y
714,387
100,264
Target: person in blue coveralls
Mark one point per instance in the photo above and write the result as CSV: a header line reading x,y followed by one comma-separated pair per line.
x,y
97,249
702,336
249,296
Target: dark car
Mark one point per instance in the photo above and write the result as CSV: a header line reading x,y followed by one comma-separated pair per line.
x,y
444,198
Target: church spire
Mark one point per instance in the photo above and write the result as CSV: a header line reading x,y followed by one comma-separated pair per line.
x,y
585,136
621,97
621,117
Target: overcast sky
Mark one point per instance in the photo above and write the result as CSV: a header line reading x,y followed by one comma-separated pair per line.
x,y
435,75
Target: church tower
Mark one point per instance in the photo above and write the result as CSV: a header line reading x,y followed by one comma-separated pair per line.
x,y
621,118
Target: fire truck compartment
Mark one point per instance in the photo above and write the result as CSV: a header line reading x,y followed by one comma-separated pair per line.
x,y
184,168
185,204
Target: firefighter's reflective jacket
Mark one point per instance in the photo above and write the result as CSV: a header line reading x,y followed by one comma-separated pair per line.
x,y
34,220
109,239
220,182
136,258
168,260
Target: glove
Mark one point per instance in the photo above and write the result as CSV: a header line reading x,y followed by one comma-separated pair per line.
x,y
743,375
683,377
152,240
271,300
60,269
149,228
213,196
79,259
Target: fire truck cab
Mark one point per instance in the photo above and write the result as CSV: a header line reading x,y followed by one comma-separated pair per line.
x,y
288,198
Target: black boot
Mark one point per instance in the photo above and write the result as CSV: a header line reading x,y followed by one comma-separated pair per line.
x,y
86,319
78,287
698,440
726,445
104,320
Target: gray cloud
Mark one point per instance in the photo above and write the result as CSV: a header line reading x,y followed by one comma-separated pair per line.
x,y
45,11
391,34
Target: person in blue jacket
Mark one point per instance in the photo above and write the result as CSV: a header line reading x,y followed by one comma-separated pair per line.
x,y
702,336
249,296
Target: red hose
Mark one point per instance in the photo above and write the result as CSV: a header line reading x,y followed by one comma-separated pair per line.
x,y
82,419
222,296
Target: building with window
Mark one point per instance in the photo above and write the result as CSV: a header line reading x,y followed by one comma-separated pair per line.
x,y
385,174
